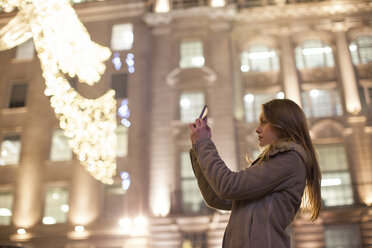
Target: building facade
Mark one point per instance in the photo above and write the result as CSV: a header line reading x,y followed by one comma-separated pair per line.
x,y
169,58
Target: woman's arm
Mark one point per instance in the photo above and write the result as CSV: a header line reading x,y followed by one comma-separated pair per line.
x,y
278,173
209,195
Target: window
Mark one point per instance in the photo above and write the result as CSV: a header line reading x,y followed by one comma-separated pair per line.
x,y
114,206
119,84
18,95
346,236
253,102
191,104
10,150
194,240
314,54
259,58
179,4
361,50
60,150
6,203
336,182
25,51
122,37
122,141
365,92
56,205
191,54
321,103
192,200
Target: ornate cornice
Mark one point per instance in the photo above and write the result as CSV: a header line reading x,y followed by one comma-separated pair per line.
x,y
270,13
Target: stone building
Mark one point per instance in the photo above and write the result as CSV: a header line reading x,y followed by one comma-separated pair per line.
x,y
169,58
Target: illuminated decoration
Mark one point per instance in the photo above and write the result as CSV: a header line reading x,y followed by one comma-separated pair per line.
x,y
64,48
124,113
130,62
117,61
125,183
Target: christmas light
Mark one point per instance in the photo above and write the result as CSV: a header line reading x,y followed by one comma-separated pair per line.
x,y
64,48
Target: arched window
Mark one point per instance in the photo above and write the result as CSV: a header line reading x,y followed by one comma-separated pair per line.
x,y
259,58
314,54
361,50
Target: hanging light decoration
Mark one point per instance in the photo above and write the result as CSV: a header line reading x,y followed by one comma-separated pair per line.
x,y
64,48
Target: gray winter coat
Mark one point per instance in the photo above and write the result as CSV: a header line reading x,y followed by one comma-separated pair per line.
x,y
263,198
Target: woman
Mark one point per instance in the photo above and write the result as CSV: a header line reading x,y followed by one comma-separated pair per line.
x,y
265,197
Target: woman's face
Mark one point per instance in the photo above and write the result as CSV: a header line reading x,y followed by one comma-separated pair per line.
x,y
266,133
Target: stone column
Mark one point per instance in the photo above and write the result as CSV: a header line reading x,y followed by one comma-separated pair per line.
x,y
349,82
291,83
84,198
27,210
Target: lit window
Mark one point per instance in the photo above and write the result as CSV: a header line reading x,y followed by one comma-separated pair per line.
x,y
56,205
10,150
191,54
122,37
119,84
114,204
6,203
342,236
25,51
314,54
336,182
122,141
253,102
259,58
18,96
191,104
192,200
321,103
60,150
361,50
190,240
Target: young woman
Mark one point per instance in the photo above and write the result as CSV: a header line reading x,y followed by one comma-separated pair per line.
x,y
265,197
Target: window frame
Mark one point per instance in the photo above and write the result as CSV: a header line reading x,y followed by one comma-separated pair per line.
x,y
114,44
51,147
8,97
357,52
273,61
2,137
202,91
304,61
8,190
203,208
329,86
332,142
56,184
181,59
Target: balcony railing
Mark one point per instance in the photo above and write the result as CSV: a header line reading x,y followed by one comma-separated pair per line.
x,y
260,3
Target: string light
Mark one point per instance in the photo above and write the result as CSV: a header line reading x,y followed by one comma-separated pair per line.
x,y
64,48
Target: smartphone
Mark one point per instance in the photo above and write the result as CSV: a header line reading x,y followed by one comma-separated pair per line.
x,y
204,112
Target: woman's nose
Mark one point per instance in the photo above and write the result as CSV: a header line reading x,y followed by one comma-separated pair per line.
x,y
258,129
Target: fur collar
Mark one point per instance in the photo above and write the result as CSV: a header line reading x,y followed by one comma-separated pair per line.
x,y
285,146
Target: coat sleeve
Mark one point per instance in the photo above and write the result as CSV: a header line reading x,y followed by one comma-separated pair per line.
x,y
210,197
275,174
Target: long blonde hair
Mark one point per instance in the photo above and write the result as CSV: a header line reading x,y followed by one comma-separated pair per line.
x,y
290,123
